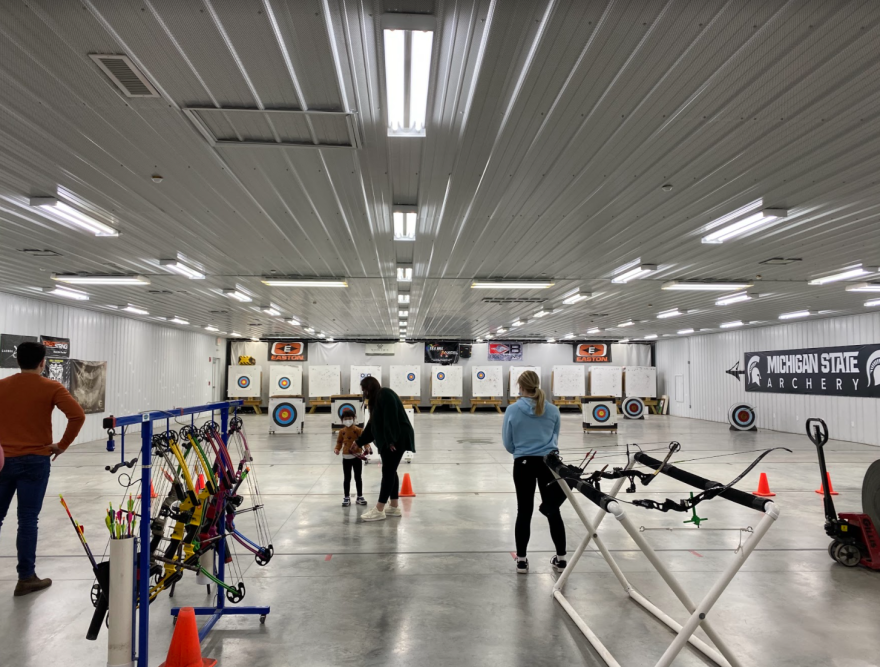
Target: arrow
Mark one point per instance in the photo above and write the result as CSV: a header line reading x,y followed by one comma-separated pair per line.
x,y
735,372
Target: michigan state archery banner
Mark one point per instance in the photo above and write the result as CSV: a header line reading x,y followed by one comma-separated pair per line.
x,y
853,370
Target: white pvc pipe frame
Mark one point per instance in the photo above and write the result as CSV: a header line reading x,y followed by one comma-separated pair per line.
x,y
684,634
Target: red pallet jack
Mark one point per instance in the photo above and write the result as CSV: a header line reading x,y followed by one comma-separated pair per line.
x,y
854,536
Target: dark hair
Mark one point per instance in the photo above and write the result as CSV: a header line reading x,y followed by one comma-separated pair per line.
x,y
371,387
29,355
348,412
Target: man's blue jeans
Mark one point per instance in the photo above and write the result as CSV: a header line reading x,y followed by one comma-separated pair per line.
x,y
28,476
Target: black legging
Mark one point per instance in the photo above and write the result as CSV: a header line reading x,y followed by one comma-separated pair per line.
x,y
528,471
390,481
347,466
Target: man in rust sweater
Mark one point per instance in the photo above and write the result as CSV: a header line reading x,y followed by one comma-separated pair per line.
x,y
26,402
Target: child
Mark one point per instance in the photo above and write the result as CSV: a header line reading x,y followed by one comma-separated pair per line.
x,y
352,456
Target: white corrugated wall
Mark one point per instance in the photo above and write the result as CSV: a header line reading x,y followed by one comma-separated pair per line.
x,y
695,367
149,366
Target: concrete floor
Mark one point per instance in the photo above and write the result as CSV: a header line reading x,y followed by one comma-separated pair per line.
x,y
438,587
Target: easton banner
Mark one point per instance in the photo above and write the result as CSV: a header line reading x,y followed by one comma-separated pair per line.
x,y
56,348
288,350
441,353
592,353
505,351
853,370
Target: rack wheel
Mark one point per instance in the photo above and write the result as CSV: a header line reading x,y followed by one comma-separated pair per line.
x,y
263,619
848,555
831,547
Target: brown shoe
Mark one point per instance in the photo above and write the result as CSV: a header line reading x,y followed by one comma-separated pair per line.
x,y
31,585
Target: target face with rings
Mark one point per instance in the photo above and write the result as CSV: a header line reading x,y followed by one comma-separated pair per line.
x,y
633,408
441,376
284,382
601,414
411,377
244,382
346,406
481,375
742,416
284,415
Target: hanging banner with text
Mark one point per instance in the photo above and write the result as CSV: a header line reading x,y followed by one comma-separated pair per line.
x,y
592,353
441,353
288,350
853,370
56,348
505,351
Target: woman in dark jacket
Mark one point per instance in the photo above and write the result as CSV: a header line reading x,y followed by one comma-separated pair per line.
x,y
393,435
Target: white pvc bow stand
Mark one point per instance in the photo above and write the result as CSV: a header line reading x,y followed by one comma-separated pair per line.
x,y
607,503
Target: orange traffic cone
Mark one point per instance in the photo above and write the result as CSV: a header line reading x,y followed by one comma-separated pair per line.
x,y
821,489
406,490
185,650
152,491
764,487
200,482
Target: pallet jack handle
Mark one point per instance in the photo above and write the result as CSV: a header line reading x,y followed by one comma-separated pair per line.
x,y
817,432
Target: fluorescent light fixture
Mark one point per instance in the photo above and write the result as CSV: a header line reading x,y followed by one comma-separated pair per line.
x,y
178,320
310,330
73,216
330,339
211,328
322,335
402,325
293,281
479,340
686,286
650,337
403,313
67,293
574,298
682,332
404,273
134,309
623,340
674,312
744,220
551,340
628,323
872,302
488,336
594,330
403,299
733,298
270,310
512,284
236,334
501,330
568,336
731,325
404,225
238,296
96,279
795,315
255,339
407,97
518,323
181,268
540,314
293,321
863,287
639,271
853,272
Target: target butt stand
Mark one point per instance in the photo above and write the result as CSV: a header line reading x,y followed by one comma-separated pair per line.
x,y
568,478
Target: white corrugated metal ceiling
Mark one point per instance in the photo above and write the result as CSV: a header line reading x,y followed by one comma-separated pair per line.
x,y
552,126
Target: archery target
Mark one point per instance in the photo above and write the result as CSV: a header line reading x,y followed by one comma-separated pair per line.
x,y
244,382
406,381
742,416
599,413
487,382
358,373
447,383
285,414
441,376
285,380
338,404
633,408
410,377
481,375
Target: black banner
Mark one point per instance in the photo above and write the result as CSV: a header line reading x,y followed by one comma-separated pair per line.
x,y
9,347
58,370
853,370
592,353
441,353
56,348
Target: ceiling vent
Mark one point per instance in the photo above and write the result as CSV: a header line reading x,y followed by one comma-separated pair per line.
x,y
781,261
513,299
34,252
160,291
122,72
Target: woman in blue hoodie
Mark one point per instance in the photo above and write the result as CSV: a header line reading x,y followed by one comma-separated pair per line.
x,y
531,430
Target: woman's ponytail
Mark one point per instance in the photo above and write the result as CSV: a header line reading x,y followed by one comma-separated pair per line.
x,y
530,384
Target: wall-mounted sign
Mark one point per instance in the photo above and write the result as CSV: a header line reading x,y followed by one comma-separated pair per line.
x,y
288,350
58,370
505,351
441,353
56,348
592,353
853,370
372,349
9,348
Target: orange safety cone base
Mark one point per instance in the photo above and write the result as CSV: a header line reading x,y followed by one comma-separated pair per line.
x,y
406,489
831,491
185,650
764,487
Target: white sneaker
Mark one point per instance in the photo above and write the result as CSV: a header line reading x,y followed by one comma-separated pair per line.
x,y
392,511
373,515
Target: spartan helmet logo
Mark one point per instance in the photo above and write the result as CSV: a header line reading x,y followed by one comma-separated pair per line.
x,y
752,369
873,366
